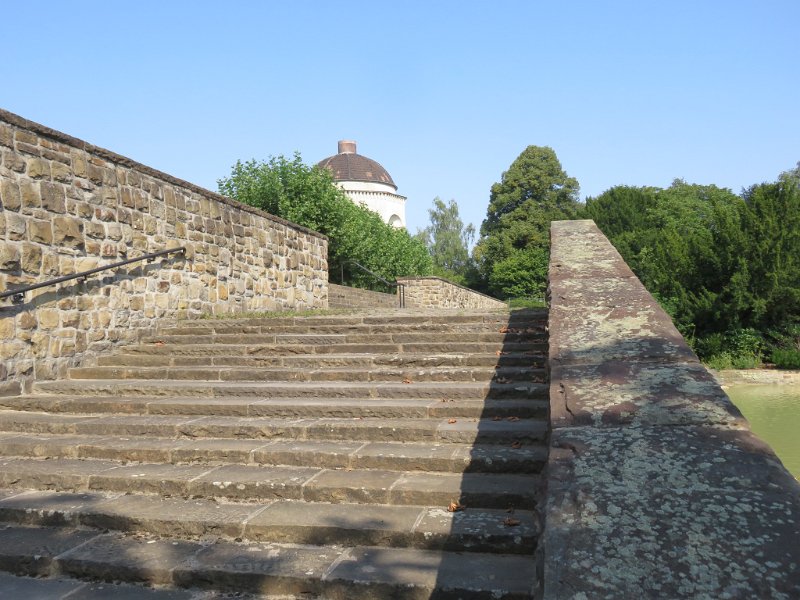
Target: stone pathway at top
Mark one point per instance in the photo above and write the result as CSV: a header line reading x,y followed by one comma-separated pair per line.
x,y
382,454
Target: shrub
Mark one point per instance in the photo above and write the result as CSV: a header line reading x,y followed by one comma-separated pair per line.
x,y
786,358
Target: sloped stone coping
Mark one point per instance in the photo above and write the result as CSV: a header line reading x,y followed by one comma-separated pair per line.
x,y
436,292
656,487
757,377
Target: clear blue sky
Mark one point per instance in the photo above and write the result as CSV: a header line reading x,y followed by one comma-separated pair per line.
x,y
444,94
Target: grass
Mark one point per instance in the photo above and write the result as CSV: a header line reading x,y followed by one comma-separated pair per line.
x,y
527,303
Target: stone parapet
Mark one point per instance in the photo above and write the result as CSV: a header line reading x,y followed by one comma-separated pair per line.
x,y
656,487
340,296
435,292
67,206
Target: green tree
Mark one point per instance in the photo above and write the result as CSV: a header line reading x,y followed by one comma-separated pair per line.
x,y
305,195
513,249
448,240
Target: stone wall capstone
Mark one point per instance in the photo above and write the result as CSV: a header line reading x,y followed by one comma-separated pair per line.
x,y
435,292
67,206
656,488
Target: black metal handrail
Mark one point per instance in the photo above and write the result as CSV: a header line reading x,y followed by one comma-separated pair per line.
x,y
18,294
401,288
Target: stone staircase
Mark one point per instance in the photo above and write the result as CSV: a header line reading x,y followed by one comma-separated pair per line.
x,y
390,454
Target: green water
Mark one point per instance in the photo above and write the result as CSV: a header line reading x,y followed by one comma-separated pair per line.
x,y
774,415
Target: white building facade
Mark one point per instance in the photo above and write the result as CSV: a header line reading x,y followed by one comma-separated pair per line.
x,y
366,182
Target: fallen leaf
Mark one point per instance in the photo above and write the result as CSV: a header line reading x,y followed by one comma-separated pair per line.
x,y
516,445
502,380
499,352
509,522
512,419
452,421
159,343
455,506
443,400
497,418
504,330
407,380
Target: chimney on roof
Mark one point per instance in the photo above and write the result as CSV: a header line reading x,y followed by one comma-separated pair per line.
x,y
347,147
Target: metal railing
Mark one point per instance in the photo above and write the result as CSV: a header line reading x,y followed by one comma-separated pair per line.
x,y
401,288
18,294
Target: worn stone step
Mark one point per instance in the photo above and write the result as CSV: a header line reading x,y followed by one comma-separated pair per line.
x,y
287,521
319,361
387,318
60,587
267,483
501,374
531,348
350,338
264,390
341,407
532,326
451,430
335,573
391,456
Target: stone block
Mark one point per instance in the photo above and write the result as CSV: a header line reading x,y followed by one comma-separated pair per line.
x,y
31,196
61,172
16,226
9,256
38,168
48,318
93,229
31,258
68,232
53,197
9,194
40,231
6,136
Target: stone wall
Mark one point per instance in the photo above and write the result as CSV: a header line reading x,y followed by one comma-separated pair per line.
x,y
340,296
656,487
67,206
435,292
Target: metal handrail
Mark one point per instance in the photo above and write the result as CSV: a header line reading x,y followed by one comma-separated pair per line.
x,y
18,294
396,284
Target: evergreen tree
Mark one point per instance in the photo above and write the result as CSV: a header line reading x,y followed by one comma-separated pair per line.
x,y
513,250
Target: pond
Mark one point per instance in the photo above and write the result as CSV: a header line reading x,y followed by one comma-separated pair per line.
x,y
774,415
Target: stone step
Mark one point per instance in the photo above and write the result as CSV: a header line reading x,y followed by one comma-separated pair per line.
x,y
211,327
295,570
527,348
243,483
389,456
500,374
265,390
350,338
460,431
284,521
393,317
60,587
414,408
321,361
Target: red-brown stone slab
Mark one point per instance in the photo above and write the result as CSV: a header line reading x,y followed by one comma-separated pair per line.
x,y
618,393
669,512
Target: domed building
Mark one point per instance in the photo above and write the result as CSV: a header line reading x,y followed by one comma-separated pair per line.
x,y
366,182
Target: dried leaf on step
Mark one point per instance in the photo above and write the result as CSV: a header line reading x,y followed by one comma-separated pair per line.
x,y
516,445
452,420
502,380
497,418
512,419
504,330
509,522
455,506
407,380
158,343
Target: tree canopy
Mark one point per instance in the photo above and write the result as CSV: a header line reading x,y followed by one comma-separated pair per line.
x,y
513,250
305,195
448,240
725,266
